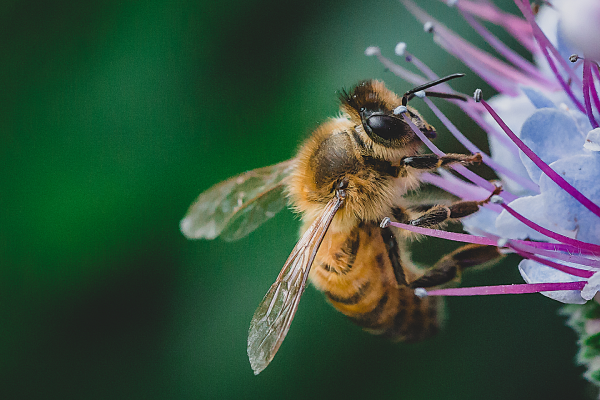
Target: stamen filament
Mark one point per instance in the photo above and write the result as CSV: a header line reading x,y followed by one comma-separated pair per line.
x,y
546,45
588,83
470,108
561,80
526,183
421,66
503,49
508,289
564,268
594,263
543,41
542,248
395,68
553,247
559,180
456,237
517,27
497,74
451,184
549,233
594,68
461,169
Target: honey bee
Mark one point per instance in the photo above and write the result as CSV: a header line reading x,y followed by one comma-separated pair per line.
x,y
353,171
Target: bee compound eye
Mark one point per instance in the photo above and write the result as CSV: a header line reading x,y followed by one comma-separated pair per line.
x,y
386,127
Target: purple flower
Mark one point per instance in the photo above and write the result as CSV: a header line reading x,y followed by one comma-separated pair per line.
x,y
544,135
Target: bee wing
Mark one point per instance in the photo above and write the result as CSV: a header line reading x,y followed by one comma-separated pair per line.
x,y
234,208
272,318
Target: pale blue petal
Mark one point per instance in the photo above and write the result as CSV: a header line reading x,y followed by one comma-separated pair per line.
x,y
534,272
582,121
514,111
551,134
508,157
537,98
531,208
563,46
482,220
583,172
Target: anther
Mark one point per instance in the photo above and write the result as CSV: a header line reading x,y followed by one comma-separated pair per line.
x,y
573,58
420,292
400,110
428,27
385,222
495,199
372,51
477,95
505,250
400,49
502,242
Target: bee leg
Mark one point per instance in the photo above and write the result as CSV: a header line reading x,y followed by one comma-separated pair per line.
x,y
450,267
432,161
440,214
394,255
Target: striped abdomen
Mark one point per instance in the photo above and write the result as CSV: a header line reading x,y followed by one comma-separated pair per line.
x,y
356,273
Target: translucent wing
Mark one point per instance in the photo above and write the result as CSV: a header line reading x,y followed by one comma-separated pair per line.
x,y
272,318
234,208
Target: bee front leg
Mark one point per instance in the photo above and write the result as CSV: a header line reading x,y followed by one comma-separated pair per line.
x,y
432,161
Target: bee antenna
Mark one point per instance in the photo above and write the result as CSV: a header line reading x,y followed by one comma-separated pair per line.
x,y
408,95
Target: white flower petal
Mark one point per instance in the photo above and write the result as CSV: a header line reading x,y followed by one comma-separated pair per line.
x,y
531,207
592,287
560,208
592,140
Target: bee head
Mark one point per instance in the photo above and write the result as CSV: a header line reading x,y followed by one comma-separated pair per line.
x,y
372,105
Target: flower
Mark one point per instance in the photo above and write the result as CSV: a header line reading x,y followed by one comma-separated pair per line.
x,y
548,212
544,135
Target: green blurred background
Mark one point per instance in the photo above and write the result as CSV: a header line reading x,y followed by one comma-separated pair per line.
x,y
115,115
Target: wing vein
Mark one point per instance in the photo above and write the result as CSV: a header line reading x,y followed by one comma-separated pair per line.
x,y
274,315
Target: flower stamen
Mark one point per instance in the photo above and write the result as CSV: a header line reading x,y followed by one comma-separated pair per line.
x,y
505,289
559,180
588,84
526,183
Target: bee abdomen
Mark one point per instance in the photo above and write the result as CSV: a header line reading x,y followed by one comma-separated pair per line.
x,y
362,275
372,320
415,318
399,317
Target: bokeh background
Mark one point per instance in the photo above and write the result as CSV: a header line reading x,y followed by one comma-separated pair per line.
x,y
115,115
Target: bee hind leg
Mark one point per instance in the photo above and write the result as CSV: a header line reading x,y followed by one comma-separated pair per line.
x,y
451,266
